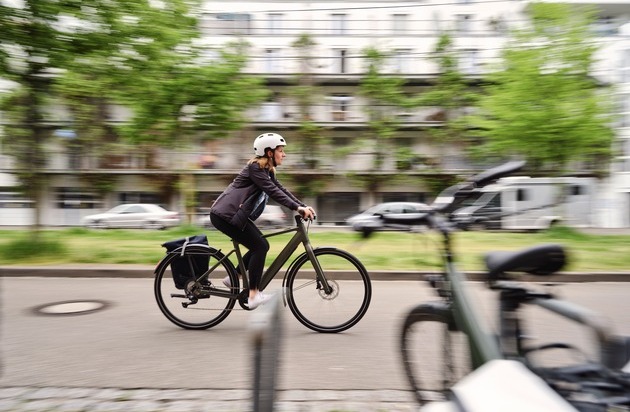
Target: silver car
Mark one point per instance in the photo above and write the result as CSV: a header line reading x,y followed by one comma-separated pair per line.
x,y
371,220
135,215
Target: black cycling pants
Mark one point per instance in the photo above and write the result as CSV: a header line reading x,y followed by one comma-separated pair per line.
x,y
252,238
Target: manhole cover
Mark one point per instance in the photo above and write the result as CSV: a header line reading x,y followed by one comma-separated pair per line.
x,y
71,307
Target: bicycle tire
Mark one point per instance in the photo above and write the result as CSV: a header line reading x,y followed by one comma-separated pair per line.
x,y
334,312
194,307
432,370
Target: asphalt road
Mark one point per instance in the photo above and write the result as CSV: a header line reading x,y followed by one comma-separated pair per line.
x,y
129,344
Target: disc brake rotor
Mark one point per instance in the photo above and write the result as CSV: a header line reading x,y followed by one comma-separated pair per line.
x,y
333,294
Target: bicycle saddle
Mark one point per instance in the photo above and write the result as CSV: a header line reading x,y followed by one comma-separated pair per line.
x,y
540,260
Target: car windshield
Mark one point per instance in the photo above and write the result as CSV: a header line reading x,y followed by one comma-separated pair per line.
x,y
118,209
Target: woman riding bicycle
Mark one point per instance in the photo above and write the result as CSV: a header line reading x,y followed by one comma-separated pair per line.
x,y
242,202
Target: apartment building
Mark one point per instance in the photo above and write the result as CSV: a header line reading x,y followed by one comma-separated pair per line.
x,y
340,32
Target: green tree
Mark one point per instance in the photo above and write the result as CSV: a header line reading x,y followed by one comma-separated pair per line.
x,y
452,93
137,53
121,44
30,48
215,92
385,96
542,104
306,94
311,136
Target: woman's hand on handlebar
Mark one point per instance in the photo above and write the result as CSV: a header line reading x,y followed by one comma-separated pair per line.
x,y
307,212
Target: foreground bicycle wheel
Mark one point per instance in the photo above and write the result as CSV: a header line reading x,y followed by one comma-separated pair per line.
x,y
336,311
189,304
435,355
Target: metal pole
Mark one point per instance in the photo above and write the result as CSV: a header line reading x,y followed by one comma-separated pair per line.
x,y
266,333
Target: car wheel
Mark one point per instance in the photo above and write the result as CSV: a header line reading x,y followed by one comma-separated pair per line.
x,y
478,226
97,224
151,224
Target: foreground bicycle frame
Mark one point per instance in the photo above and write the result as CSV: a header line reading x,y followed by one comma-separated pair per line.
x,y
311,284
456,312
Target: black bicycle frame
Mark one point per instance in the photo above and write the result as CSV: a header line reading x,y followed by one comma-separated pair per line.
x,y
300,237
483,346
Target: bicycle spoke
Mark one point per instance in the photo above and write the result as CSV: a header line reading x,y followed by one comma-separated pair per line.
x,y
434,356
187,296
348,296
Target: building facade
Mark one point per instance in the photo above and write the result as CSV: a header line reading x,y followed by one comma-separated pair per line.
x,y
340,32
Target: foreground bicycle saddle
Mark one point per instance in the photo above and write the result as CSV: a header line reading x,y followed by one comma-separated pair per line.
x,y
542,260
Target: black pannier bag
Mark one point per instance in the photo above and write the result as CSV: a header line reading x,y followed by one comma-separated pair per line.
x,y
187,267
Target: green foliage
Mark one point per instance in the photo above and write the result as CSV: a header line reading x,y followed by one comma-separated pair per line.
x,y
136,53
27,248
311,137
382,251
542,104
385,97
437,182
452,93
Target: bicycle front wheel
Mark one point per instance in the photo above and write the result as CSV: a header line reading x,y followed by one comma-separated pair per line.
x,y
189,288
435,355
349,296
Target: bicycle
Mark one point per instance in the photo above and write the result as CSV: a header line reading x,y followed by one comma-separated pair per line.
x,y
327,289
466,344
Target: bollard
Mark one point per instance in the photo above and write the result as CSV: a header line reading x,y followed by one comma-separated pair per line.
x,y
266,332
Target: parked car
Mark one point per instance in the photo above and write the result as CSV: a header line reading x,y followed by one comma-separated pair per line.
x,y
370,219
272,217
137,215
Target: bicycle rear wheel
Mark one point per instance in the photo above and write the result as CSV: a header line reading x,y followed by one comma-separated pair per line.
x,y
435,355
328,312
200,301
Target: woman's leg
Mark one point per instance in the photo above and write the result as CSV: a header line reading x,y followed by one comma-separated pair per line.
x,y
252,238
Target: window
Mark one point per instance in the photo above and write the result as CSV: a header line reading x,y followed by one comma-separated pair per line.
x,y
339,23
437,22
463,23
624,66
274,23
399,23
272,61
77,198
624,110
13,199
576,190
139,197
404,197
340,61
233,23
521,195
339,105
469,61
401,61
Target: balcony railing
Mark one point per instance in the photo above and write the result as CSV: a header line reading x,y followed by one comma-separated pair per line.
x,y
287,112
61,161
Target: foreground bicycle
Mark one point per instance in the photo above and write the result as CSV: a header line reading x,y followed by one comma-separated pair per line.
x,y
465,344
327,289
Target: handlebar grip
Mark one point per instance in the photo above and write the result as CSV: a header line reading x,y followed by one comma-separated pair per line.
x,y
497,172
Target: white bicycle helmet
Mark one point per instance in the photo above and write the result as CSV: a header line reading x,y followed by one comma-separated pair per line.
x,y
267,140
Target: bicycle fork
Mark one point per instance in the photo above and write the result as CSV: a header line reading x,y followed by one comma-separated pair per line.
x,y
319,272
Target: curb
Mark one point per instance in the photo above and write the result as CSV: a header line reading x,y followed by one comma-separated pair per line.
x,y
144,271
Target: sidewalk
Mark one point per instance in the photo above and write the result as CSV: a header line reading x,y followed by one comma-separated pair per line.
x,y
63,399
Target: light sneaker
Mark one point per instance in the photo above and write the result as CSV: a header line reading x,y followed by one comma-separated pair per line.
x,y
227,282
258,299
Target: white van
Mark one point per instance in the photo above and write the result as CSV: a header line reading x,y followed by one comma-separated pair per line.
x,y
530,203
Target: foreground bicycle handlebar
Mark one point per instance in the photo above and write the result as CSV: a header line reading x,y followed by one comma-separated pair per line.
x,y
466,345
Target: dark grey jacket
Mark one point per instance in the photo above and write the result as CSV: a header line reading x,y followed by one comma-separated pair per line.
x,y
237,203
